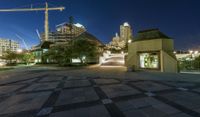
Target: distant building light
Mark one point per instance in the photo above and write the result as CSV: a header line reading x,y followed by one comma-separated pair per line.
x,y
37,60
196,52
174,52
190,51
126,24
79,25
84,57
19,50
2,63
76,61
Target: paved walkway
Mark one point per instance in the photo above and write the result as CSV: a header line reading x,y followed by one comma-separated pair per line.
x,y
98,92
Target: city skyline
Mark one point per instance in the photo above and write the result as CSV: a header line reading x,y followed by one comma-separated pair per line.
x,y
177,19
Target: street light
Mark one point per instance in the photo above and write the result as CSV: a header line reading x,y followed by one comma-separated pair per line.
x,y
196,52
19,50
190,51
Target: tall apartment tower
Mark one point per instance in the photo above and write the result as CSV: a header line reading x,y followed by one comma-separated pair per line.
x,y
125,32
7,44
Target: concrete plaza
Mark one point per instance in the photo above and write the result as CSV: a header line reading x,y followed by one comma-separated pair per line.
x,y
98,92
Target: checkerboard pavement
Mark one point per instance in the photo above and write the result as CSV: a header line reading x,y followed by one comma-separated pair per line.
x,y
68,96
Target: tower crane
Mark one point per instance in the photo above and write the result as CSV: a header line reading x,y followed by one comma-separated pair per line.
x,y
46,9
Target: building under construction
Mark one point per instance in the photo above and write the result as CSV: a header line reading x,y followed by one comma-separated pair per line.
x,y
64,32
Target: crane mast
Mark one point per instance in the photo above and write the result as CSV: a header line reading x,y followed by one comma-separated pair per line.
x,y
46,23
46,9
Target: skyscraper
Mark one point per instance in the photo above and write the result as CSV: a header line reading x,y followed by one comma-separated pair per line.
x,y
125,32
120,42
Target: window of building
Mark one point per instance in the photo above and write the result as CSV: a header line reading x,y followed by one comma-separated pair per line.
x,y
149,60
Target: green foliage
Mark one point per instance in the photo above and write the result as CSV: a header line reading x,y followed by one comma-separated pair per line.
x,y
190,65
26,57
59,54
10,56
84,48
79,48
197,59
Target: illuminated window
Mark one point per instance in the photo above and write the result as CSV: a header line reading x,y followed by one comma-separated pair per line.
x,y
149,60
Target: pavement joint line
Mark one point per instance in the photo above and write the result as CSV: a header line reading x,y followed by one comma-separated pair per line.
x,y
195,92
166,91
107,84
114,110
15,92
22,80
77,87
30,113
128,97
162,83
150,94
100,93
191,87
38,91
108,103
76,106
182,89
48,81
155,92
111,107
49,104
178,106
44,111
134,87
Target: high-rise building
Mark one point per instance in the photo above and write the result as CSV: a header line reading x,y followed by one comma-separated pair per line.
x,y
119,42
7,44
125,32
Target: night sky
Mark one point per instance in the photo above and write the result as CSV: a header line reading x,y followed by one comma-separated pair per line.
x,y
179,19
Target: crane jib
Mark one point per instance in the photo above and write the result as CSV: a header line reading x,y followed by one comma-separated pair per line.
x,y
32,9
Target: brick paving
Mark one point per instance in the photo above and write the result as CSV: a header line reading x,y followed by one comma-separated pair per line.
x,y
53,95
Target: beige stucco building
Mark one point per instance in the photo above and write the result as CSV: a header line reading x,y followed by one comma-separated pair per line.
x,y
152,50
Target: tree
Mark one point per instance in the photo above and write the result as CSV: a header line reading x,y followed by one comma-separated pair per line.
x,y
84,49
60,54
25,57
197,63
10,56
79,48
